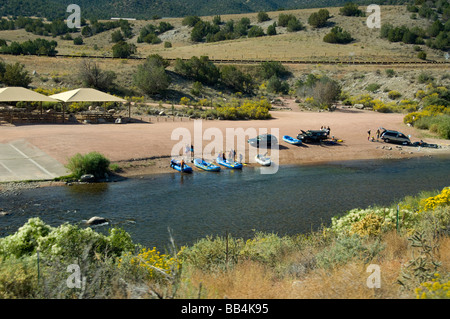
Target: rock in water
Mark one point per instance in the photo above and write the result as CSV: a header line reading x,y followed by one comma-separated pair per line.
x,y
87,178
96,220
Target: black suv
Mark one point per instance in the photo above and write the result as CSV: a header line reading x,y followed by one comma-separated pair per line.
x,y
263,139
390,136
312,136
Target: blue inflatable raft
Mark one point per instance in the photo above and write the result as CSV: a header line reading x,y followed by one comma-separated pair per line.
x,y
291,140
226,163
210,167
176,165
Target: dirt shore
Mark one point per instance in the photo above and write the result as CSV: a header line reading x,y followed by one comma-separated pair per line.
x,y
145,148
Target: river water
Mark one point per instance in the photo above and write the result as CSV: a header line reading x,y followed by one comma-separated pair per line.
x,y
297,199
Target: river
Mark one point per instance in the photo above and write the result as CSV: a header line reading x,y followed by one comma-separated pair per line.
x,y
297,199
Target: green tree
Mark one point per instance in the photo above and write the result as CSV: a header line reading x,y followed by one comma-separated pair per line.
x,y
275,85
123,50
271,29
319,19
16,75
117,36
338,35
272,68
236,79
435,28
78,40
92,76
294,25
351,9
262,16
283,19
255,31
151,76
190,21
199,69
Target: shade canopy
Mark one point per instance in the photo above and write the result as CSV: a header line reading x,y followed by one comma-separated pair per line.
x,y
20,94
86,95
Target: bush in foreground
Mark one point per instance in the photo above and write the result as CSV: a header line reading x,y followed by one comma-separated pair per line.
x,y
92,163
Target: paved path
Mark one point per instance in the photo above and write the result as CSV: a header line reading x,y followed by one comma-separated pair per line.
x,y
20,161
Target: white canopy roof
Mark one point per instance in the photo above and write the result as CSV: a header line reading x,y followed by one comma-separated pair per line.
x,y
86,95
19,94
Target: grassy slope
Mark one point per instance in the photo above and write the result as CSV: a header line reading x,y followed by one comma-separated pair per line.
x,y
304,44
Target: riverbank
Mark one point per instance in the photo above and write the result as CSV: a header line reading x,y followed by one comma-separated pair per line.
x,y
145,148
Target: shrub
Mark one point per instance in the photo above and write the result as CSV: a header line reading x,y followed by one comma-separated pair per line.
x,y
262,16
275,85
199,69
346,249
92,163
18,278
437,288
338,35
269,69
151,262
390,73
15,75
266,248
190,20
123,50
151,76
117,36
394,95
431,203
425,77
294,25
319,19
372,87
351,9
255,31
92,76
78,41
213,253
271,29
236,79
289,21
380,220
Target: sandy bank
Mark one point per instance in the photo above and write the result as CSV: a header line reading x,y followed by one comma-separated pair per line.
x,y
145,148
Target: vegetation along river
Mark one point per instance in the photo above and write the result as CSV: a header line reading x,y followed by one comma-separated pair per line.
x,y
295,200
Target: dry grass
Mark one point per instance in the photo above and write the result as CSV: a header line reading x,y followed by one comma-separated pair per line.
x,y
305,44
247,280
252,280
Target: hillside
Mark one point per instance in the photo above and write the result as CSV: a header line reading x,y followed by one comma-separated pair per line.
x,y
146,9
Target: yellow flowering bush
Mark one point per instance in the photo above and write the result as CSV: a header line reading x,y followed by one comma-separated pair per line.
x,y
309,100
431,203
370,225
185,100
151,262
438,288
394,94
372,221
364,99
266,247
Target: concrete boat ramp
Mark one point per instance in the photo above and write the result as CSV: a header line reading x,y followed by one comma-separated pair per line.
x,y
22,161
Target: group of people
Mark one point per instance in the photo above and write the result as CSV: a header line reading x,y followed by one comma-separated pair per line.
x,y
326,128
189,149
372,138
232,155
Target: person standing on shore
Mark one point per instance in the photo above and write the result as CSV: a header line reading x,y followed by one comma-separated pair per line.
x,y
368,137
